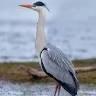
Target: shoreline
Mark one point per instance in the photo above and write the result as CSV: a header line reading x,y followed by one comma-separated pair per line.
x,y
11,71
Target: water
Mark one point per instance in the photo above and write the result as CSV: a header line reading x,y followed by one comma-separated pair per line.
x,y
27,89
71,26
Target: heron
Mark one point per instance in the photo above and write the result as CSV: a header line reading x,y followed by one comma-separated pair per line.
x,y
53,61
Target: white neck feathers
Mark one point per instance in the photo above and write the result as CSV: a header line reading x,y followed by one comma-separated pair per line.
x,y
40,34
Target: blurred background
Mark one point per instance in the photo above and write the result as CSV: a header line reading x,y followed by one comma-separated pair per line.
x,y
71,26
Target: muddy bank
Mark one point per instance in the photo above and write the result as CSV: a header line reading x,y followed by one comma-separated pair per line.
x,y
11,71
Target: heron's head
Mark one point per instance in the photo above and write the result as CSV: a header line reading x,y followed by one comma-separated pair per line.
x,y
37,6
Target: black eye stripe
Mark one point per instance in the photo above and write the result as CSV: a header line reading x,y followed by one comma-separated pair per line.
x,y
39,4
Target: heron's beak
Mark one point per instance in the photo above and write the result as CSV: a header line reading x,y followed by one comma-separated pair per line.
x,y
26,5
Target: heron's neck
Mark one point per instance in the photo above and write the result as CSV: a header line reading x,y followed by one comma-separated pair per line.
x,y
40,34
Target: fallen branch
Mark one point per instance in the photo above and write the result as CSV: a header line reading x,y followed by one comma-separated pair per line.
x,y
85,69
34,72
40,74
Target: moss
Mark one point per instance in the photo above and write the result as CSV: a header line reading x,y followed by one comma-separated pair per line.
x,y
89,77
11,71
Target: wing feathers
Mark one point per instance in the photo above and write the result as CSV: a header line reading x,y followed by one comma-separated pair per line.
x,y
58,65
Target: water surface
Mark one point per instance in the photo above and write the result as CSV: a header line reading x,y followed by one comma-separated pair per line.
x,y
71,26
29,89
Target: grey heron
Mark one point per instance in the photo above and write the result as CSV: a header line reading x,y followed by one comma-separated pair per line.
x,y
52,60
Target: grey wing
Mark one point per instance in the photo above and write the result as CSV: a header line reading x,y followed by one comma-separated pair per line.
x,y
61,57
57,64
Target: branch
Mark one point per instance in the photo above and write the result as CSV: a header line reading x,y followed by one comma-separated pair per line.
x,y
40,74
85,69
33,72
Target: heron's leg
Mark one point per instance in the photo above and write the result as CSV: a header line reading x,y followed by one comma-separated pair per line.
x,y
56,89
59,87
